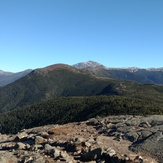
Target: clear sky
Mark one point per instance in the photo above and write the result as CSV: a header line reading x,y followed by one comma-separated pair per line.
x,y
116,33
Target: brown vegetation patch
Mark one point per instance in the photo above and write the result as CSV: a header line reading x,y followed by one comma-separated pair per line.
x,y
47,69
61,131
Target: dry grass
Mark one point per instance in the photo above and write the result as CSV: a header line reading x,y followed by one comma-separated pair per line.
x,y
61,131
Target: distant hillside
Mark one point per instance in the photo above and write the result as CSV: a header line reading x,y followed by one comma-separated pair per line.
x,y
62,80
144,76
50,82
9,77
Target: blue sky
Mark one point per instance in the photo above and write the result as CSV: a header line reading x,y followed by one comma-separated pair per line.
x,y
116,33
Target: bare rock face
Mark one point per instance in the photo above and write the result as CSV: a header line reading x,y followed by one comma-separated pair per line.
x,y
114,139
6,157
153,144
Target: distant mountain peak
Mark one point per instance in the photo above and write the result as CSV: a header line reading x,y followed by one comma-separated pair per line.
x,y
53,67
87,64
9,77
5,73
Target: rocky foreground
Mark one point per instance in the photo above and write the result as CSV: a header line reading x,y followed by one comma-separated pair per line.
x,y
114,139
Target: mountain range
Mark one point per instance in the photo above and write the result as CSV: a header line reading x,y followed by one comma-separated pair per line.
x,y
62,80
141,75
145,76
61,93
51,82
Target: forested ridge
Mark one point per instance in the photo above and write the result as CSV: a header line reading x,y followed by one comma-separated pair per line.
x,y
70,109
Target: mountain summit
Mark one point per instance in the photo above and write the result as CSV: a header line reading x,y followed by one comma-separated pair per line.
x,y
89,64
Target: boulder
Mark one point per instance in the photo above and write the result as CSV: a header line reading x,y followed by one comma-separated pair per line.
x,y
91,155
66,157
131,136
8,146
110,152
55,152
93,122
21,136
40,140
21,146
49,150
143,134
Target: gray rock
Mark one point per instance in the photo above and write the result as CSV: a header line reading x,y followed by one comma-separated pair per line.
x,y
7,157
39,159
118,119
144,124
66,157
8,146
144,134
123,129
153,120
49,150
37,147
55,152
87,144
21,136
21,146
93,122
131,136
153,145
133,122
110,152
91,155
40,140
160,128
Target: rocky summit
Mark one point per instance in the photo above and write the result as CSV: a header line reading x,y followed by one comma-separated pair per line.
x,y
113,139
